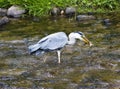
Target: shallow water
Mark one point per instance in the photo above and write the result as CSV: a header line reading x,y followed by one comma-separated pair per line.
x,y
82,67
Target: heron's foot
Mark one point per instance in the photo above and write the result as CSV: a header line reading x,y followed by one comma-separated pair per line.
x,y
45,58
59,62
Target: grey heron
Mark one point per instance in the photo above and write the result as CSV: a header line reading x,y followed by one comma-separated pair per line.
x,y
57,41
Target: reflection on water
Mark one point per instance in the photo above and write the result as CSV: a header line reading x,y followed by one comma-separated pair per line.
x,y
82,67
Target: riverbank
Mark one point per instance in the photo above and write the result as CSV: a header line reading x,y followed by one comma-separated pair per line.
x,y
43,7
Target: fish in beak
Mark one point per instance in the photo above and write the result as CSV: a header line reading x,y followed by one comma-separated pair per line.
x,y
87,41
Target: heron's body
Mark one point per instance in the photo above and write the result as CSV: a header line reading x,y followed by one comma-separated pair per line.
x,y
55,41
51,42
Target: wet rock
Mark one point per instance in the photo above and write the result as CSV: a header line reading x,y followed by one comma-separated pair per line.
x,y
2,44
3,12
106,22
25,74
70,11
45,75
4,20
7,78
116,84
101,84
84,17
3,85
55,11
90,13
113,66
15,11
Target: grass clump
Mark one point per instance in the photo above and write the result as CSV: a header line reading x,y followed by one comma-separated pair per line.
x,y
42,7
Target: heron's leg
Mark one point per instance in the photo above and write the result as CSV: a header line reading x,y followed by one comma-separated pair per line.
x,y
44,59
58,52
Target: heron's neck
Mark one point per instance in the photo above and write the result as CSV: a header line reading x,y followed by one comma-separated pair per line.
x,y
71,41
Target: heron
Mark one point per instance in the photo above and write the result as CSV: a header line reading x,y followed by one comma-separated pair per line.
x,y
56,41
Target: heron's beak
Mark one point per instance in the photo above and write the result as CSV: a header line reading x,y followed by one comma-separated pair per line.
x,y
87,41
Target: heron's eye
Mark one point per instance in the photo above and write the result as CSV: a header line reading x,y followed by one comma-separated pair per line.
x,y
80,33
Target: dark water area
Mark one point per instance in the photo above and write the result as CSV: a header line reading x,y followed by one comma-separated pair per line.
x,y
82,67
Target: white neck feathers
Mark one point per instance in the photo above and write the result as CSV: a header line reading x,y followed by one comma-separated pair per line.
x,y
72,38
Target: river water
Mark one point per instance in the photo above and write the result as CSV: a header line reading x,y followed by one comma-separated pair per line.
x,y
82,67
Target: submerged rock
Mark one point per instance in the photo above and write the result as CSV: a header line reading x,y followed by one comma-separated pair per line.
x,y
25,74
4,20
84,17
3,85
5,78
15,11
106,22
116,84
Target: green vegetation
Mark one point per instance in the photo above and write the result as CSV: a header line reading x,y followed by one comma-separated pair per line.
x,y
42,7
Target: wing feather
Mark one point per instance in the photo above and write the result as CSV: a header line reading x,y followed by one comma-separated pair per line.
x,y
54,41
50,42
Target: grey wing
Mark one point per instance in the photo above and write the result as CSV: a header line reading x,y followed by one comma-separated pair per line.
x,y
50,42
54,42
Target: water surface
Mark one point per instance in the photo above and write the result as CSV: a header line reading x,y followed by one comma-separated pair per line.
x,y
82,67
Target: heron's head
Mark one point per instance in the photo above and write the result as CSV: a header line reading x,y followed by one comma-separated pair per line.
x,y
79,35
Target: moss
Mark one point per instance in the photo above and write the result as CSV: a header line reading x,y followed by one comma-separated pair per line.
x,y
60,86
75,76
3,65
23,83
104,75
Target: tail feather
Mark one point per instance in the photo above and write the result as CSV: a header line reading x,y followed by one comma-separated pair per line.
x,y
33,48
